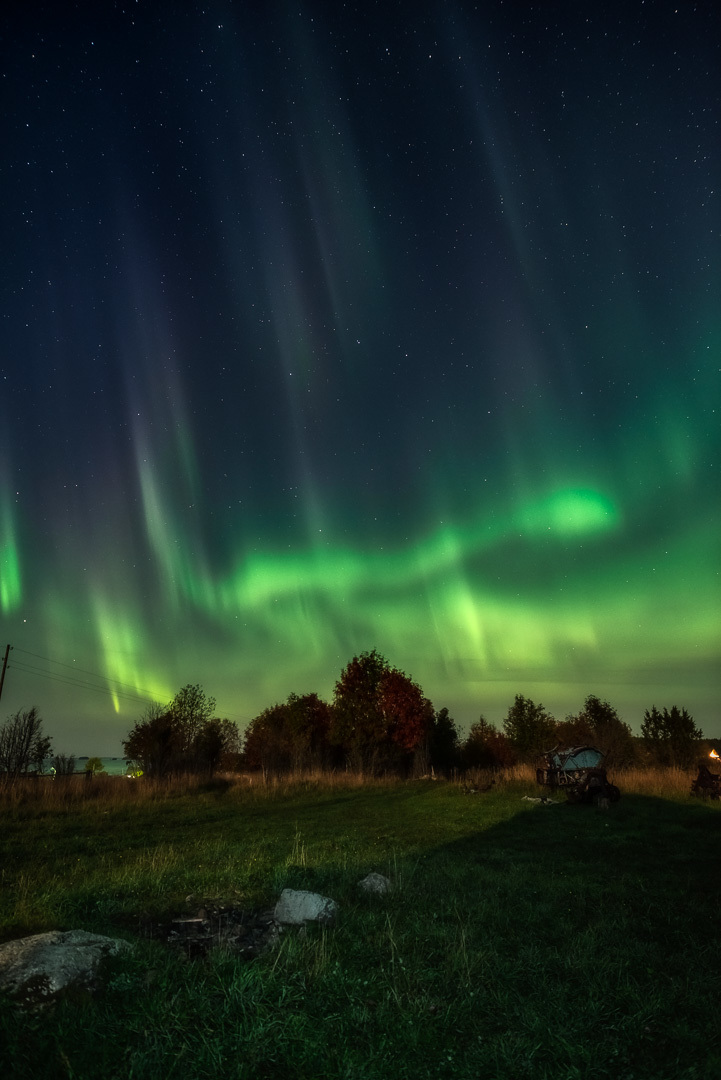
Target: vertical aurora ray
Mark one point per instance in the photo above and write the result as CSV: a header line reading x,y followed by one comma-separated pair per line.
x,y
124,656
342,330
10,577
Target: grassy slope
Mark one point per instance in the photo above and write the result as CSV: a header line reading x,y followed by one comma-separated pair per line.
x,y
521,941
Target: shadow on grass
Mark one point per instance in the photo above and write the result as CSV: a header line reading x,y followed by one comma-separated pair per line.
x,y
539,943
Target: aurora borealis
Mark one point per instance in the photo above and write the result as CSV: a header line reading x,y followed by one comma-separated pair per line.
x,y
333,327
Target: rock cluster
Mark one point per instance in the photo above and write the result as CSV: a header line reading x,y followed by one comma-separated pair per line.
x,y
36,969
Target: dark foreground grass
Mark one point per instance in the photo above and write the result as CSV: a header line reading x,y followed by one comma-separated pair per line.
x,y
521,941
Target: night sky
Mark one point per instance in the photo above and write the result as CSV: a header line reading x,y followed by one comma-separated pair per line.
x,y
328,327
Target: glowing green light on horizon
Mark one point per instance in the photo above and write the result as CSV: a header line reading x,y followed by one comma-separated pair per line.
x,y
308,609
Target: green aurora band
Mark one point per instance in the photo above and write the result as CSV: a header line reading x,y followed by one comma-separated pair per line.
x,y
325,345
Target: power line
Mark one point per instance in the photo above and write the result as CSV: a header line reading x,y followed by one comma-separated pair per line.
x,y
65,681
105,679
62,679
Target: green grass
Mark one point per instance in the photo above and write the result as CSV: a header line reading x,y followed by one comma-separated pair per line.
x,y
521,941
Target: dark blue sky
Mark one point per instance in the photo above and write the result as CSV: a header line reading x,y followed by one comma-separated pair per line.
x,y
387,326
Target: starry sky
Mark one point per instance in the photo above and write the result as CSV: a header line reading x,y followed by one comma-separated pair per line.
x,y
331,327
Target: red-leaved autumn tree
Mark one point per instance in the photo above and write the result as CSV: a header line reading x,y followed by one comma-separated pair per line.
x,y
380,716
406,711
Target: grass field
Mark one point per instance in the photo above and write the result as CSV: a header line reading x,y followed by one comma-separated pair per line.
x,y
521,941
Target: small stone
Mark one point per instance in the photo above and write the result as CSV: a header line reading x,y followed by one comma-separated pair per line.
x,y
296,907
376,885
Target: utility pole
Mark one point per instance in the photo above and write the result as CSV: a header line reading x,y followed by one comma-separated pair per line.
x,y
5,664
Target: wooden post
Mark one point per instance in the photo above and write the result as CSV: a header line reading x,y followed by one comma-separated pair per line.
x,y
5,664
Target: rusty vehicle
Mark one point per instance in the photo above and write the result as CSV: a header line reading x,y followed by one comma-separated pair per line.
x,y
577,771
707,784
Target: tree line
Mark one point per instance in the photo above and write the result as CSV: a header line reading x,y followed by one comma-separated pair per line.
x,y
379,721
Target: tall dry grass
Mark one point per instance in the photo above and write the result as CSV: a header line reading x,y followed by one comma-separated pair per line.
x,y
48,793
45,793
662,782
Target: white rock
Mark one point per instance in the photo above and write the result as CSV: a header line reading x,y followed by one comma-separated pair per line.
x,y
376,885
296,907
38,967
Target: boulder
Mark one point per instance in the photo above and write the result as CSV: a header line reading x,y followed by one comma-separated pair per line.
x,y
296,907
376,885
35,969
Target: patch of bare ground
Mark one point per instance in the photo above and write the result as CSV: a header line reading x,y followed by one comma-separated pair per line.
x,y
193,933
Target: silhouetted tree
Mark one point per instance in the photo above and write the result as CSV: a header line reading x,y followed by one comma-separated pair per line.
x,y
154,743
181,737
670,736
486,747
64,764
529,727
380,716
598,724
289,736
443,742
266,743
308,724
216,745
574,731
23,747
189,711
611,734
358,724
407,713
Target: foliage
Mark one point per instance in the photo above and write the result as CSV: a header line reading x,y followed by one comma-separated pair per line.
x,y
358,724
217,745
575,731
380,716
94,765
63,765
670,736
266,744
487,748
189,711
529,728
23,747
308,720
407,713
443,742
599,724
290,737
154,743
182,737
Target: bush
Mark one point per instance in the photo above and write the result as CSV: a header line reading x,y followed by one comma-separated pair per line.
x,y
670,736
487,748
530,729
182,737
23,747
